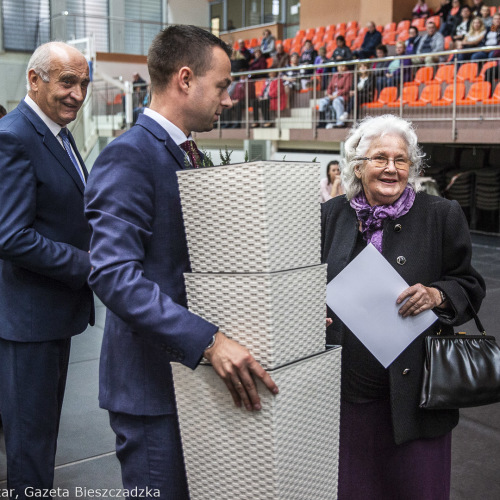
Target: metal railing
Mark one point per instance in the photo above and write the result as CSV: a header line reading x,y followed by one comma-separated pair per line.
x,y
302,99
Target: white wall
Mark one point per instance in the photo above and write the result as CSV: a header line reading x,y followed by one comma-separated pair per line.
x,y
13,87
187,12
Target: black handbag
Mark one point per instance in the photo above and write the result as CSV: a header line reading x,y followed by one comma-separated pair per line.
x,y
460,370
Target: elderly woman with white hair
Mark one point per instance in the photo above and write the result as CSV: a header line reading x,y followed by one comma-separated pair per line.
x,y
389,447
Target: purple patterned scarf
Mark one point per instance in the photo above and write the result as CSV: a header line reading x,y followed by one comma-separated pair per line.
x,y
372,218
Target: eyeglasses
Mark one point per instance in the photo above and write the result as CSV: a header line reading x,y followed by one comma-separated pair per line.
x,y
380,161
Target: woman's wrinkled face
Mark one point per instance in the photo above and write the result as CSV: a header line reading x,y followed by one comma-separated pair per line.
x,y
383,186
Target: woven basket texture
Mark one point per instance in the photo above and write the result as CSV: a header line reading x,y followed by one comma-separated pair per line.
x,y
279,317
252,217
286,451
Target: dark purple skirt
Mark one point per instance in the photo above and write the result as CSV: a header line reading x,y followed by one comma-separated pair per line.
x,y
373,467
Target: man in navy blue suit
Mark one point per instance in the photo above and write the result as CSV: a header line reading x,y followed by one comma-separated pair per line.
x,y
44,260
139,254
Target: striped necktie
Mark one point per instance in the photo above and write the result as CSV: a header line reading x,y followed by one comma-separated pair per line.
x,y
67,146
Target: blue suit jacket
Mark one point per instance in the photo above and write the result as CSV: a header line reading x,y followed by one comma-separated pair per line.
x,y
44,236
139,254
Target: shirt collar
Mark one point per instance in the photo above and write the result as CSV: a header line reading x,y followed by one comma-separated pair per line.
x,y
177,135
51,124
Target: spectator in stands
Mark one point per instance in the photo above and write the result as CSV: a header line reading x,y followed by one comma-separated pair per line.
x,y
238,62
231,117
492,37
321,59
477,5
453,18
472,39
308,56
486,16
259,62
443,10
379,69
420,10
140,88
3,112
342,52
268,44
331,185
413,41
371,40
396,67
281,58
333,105
290,77
363,92
432,41
268,100
463,27
244,51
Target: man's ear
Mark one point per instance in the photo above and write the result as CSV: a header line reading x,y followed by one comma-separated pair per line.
x,y
185,78
34,80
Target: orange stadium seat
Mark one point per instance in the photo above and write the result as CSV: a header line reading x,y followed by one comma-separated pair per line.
x,y
423,75
493,10
477,92
448,42
310,33
380,28
430,93
403,35
362,31
387,95
410,94
495,98
320,30
254,43
352,25
486,66
389,38
357,42
389,27
467,71
447,98
403,25
301,33
341,26
419,23
444,74
287,44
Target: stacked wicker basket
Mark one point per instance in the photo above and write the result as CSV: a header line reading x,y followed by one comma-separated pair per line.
x,y
253,234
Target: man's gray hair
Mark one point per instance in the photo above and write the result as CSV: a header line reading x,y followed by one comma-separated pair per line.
x,y
40,61
360,139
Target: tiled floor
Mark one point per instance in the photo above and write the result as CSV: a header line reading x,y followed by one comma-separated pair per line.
x,y
85,456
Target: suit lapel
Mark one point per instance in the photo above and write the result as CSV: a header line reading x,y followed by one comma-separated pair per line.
x,y
161,134
54,146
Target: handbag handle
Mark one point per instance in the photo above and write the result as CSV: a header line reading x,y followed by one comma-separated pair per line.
x,y
474,315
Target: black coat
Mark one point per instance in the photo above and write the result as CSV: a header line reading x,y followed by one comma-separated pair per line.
x,y
434,239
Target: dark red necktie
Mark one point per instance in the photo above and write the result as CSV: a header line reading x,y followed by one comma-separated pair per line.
x,y
193,153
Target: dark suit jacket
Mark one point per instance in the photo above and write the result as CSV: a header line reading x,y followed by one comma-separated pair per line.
x,y
44,236
139,254
434,238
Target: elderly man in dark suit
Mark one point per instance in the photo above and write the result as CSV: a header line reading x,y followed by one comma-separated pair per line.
x,y
139,254
44,260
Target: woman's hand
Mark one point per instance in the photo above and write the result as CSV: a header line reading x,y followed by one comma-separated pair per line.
x,y
419,298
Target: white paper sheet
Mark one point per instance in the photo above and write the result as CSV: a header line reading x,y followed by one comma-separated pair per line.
x,y
364,297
